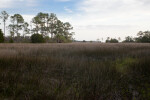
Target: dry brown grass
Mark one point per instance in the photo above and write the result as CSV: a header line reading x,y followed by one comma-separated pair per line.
x,y
74,71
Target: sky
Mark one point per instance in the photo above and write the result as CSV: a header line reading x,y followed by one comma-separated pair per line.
x,y
91,19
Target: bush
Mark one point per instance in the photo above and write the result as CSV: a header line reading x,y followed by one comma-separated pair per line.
x,y
1,36
84,41
11,40
128,39
37,38
62,39
47,39
112,41
143,37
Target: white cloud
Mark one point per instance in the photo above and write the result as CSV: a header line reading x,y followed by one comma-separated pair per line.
x,y
5,3
31,3
68,10
28,18
114,18
17,3
114,11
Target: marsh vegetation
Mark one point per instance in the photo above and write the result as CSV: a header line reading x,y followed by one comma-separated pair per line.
x,y
75,71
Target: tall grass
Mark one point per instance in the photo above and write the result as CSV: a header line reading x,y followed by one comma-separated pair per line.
x,y
76,71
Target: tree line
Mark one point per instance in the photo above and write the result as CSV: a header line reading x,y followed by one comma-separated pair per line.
x,y
46,27
142,37
43,26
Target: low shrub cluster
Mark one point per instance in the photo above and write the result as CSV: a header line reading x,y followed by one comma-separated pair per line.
x,y
37,38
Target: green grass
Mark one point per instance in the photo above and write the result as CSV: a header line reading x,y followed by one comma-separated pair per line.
x,y
123,64
88,71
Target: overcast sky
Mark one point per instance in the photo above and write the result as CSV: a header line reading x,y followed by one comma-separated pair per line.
x,y
91,19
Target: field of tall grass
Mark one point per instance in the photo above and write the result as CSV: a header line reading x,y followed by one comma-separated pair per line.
x,y
75,71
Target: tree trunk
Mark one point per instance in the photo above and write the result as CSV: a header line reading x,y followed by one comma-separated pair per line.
x,y
51,35
17,28
4,28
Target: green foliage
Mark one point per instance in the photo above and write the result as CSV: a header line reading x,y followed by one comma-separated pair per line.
x,y
139,75
11,40
37,38
128,39
1,36
144,37
122,64
84,40
17,23
47,39
44,23
4,16
112,41
50,24
62,39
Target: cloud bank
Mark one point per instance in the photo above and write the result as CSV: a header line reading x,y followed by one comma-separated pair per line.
x,y
17,3
115,18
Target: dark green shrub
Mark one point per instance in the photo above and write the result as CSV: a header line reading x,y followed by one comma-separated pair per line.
x,y
143,37
112,41
1,36
37,38
11,40
47,39
128,39
84,41
62,39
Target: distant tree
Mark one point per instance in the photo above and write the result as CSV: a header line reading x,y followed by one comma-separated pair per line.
x,y
26,30
41,22
47,39
37,38
108,39
66,31
17,24
112,41
63,30
11,40
119,39
1,36
84,40
52,24
128,39
143,37
11,27
60,38
4,16
11,30
36,23
98,40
